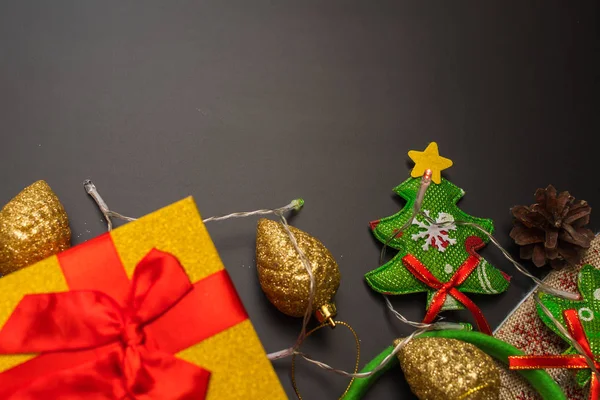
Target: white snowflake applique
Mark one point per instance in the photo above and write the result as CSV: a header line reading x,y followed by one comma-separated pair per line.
x,y
435,235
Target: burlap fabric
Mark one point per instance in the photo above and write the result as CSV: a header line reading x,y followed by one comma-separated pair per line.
x,y
524,330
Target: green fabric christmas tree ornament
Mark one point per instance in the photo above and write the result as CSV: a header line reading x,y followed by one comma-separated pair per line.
x,y
584,313
581,320
436,254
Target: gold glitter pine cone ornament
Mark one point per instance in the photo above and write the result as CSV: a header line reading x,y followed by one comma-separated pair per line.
x,y
33,226
283,277
449,369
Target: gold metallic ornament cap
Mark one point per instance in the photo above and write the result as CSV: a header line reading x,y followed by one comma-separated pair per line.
x,y
281,272
326,313
33,226
449,369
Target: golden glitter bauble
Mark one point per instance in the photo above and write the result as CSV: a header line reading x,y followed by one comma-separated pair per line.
x,y
33,226
449,369
283,277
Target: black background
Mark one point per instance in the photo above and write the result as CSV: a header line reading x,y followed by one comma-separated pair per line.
x,y
249,104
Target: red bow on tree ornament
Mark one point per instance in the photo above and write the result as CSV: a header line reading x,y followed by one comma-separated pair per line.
x,y
129,365
581,319
443,290
575,361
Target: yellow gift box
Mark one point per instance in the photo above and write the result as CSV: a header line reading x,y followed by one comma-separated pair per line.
x,y
239,368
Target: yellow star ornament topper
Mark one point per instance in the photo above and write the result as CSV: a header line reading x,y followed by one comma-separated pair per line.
x,y
429,159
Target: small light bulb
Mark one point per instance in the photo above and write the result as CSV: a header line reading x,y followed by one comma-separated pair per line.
x,y
297,204
425,181
427,175
89,186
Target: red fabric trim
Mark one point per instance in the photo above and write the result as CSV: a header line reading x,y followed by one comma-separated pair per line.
x,y
449,288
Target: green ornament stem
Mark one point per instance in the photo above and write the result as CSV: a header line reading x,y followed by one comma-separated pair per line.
x,y
540,380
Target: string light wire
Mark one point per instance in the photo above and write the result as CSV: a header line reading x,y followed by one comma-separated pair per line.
x,y
90,189
296,204
425,182
542,286
311,297
421,327
382,364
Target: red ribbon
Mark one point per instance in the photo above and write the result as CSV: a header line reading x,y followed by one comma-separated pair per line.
x,y
575,361
421,272
116,342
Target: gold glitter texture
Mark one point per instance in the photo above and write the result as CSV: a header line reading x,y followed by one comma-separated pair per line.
x,y
282,275
42,277
235,357
449,369
33,226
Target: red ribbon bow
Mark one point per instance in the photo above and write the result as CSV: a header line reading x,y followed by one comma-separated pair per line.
x,y
110,353
575,361
421,272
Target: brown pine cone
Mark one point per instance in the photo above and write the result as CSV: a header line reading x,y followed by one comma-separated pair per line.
x,y
552,230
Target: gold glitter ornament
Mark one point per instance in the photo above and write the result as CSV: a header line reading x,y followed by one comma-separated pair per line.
x,y
33,226
283,277
448,369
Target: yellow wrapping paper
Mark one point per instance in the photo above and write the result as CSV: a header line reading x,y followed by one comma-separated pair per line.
x,y
237,361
